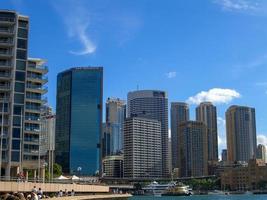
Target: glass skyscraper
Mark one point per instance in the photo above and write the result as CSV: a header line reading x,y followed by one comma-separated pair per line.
x,y
79,120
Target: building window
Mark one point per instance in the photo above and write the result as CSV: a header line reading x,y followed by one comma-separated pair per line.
x,y
23,33
17,110
22,44
21,54
15,144
15,156
16,133
20,76
16,121
21,65
19,98
23,24
19,87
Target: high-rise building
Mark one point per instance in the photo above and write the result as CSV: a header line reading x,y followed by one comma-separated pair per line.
x,y
193,149
152,104
79,120
47,143
115,116
224,155
179,114
21,97
241,133
113,166
206,113
142,148
261,152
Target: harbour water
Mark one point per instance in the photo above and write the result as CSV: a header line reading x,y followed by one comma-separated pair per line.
x,y
203,197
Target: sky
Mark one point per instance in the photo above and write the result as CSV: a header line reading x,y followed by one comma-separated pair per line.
x,y
208,50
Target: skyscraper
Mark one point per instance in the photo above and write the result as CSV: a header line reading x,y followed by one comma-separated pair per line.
x,y
224,155
206,113
142,148
193,149
261,152
79,119
179,114
115,116
152,104
21,97
241,133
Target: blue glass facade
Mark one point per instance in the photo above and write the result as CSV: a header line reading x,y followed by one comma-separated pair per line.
x,y
82,139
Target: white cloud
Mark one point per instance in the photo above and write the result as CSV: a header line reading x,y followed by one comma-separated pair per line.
x,y
221,135
262,139
238,5
77,20
171,74
214,95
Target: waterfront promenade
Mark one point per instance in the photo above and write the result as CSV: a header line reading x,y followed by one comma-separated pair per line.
x,y
6,186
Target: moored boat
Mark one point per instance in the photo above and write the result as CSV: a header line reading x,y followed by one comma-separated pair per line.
x,y
178,190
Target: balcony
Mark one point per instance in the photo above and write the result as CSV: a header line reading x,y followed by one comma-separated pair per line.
x,y
6,32
33,109
31,151
6,54
36,99
34,120
38,79
32,130
5,65
6,43
37,89
28,140
4,87
5,75
38,68
7,21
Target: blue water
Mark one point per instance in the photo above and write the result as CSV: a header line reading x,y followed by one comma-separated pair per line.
x,y
204,197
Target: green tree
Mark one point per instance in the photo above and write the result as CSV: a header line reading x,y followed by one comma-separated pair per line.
x,y
57,170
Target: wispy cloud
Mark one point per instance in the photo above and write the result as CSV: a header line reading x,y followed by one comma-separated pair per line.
x,y
240,5
171,74
77,21
221,134
215,95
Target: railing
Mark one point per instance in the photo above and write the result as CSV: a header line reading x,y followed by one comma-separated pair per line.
x,y
6,19
7,31
4,86
33,108
5,75
10,42
30,140
32,129
37,87
42,67
34,151
43,78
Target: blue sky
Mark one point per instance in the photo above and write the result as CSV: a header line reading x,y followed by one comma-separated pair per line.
x,y
208,50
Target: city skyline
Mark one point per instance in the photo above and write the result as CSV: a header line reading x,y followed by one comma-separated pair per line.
x,y
235,64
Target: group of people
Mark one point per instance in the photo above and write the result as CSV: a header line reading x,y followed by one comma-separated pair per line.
x,y
66,193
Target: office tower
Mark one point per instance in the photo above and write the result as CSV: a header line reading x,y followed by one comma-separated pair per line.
x,y
79,120
47,144
152,104
179,114
193,149
241,133
21,97
115,116
142,148
224,155
106,142
113,166
206,113
261,152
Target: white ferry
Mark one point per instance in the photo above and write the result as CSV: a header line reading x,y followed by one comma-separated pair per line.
x,y
157,189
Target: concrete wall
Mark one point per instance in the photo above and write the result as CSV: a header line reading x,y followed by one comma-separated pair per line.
x,y
50,187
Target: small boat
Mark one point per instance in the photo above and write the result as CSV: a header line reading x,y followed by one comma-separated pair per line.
x,y
216,192
157,189
178,190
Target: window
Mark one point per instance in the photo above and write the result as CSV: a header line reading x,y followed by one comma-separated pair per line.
x,y
19,87
15,144
16,121
21,65
22,44
19,98
23,33
21,54
16,133
15,156
17,110
20,76
23,24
